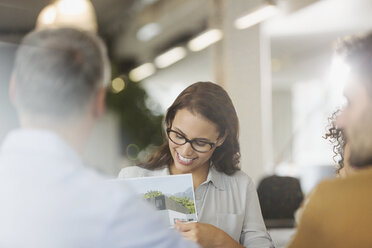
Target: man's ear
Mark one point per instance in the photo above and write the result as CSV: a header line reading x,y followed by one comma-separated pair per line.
x,y
222,139
100,103
12,90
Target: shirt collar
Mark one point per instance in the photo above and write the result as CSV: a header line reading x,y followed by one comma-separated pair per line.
x,y
215,177
38,141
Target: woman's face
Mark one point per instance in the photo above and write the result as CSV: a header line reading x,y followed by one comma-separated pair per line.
x,y
192,126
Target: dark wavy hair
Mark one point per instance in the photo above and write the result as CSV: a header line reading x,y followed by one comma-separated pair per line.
x,y
336,136
212,102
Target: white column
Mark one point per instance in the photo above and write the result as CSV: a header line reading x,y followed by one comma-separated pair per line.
x,y
245,70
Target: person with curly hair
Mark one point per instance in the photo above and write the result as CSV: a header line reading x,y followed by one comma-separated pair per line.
x,y
340,147
338,213
341,155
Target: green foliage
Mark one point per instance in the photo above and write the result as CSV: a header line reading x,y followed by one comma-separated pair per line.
x,y
139,126
152,194
186,202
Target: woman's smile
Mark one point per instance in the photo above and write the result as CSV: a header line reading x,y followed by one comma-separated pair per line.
x,y
183,160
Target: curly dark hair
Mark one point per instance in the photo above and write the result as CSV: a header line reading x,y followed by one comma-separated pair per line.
x,y
336,136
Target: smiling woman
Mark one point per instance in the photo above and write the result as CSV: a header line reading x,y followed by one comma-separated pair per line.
x,y
202,139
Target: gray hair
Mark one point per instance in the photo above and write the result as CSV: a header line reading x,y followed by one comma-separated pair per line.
x,y
57,72
357,51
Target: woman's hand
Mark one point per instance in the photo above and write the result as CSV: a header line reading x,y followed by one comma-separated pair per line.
x,y
205,234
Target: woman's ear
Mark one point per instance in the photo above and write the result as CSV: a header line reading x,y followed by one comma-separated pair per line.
x,y
100,104
222,139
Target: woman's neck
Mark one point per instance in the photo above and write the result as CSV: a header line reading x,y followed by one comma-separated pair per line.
x,y
199,175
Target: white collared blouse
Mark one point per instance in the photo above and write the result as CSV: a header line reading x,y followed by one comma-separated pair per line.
x,y
227,202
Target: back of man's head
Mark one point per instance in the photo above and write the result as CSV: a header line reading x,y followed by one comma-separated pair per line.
x,y
57,72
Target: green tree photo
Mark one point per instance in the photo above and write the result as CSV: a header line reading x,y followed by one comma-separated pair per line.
x,y
152,193
186,202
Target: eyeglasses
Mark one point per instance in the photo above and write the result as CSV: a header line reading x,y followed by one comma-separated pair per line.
x,y
196,144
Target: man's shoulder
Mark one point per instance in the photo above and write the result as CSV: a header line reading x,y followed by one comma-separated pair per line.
x,y
136,171
104,187
336,208
353,184
330,196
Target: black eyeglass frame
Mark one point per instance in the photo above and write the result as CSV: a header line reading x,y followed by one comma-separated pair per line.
x,y
189,141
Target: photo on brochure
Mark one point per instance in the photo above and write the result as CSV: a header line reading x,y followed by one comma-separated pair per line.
x,y
172,196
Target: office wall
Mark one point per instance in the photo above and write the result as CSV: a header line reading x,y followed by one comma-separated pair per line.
x,y
8,117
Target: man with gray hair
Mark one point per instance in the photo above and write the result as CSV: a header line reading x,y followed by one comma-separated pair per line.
x,y
48,198
339,211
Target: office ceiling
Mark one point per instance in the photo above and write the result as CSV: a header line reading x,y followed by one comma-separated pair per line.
x,y
314,27
18,17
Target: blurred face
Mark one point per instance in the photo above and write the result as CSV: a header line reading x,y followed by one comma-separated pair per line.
x,y
356,120
197,128
347,170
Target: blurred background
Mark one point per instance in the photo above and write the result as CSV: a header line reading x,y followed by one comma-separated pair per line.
x,y
273,57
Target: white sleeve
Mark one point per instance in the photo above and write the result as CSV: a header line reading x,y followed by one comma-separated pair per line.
x,y
136,225
130,172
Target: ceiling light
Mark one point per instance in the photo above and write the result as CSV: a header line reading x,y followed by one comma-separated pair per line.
x,y
73,7
256,16
68,13
148,2
118,84
170,57
148,31
48,15
204,40
141,72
